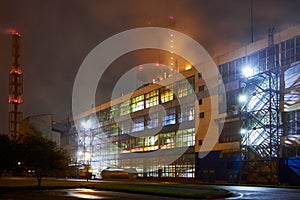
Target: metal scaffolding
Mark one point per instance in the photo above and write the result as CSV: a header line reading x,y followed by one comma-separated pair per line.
x,y
261,118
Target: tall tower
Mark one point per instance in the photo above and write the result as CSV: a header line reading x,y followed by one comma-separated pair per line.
x,y
15,90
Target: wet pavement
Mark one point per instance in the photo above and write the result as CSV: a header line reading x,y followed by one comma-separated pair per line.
x,y
238,192
262,193
79,193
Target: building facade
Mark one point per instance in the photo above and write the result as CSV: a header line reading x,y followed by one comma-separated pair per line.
x,y
160,128
43,125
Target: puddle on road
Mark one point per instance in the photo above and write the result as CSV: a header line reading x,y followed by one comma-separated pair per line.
x,y
83,193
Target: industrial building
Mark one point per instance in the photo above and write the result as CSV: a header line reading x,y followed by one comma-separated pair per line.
x,y
160,128
43,125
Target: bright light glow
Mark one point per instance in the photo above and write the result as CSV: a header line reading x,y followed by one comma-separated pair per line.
x,y
172,64
83,194
188,67
247,71
87,156
243,131
172,58
86,124
19,163
288,142
242,98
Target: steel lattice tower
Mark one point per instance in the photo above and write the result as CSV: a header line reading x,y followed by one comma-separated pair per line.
x,y
15,90
260,115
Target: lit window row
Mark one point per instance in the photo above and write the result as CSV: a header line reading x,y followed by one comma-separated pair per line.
x,y
181,138
137,103
152,98
165,94
153,120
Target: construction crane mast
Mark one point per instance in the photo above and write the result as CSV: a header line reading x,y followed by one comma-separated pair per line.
x,y
15,89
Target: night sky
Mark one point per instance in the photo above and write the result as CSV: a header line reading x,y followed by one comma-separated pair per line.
x,y
57,35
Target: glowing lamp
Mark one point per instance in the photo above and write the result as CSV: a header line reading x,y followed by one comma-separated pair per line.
x,y
242,98
247,71
188,67
87,156
243,131
86,124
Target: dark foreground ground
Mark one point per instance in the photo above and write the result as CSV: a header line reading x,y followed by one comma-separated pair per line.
x,y
65,194
25,188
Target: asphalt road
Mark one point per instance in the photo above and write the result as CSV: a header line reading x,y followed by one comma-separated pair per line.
x,y
75,194
262,193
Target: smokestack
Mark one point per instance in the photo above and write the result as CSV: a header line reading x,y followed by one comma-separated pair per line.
x,y
15,98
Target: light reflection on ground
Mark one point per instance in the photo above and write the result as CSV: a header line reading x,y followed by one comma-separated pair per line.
x,y
84,193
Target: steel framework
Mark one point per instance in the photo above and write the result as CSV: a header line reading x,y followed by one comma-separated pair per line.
x,y
261,116
15,89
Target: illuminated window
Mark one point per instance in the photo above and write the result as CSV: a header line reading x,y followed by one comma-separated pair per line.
x,y
124,146
152,120
167,140
152,98
114,112
137,103
111,130
182,88
125,127
125,108
185,138
113,148
151,143
186,113
170,117
166,95
104,115
138,124
137,144
185,87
